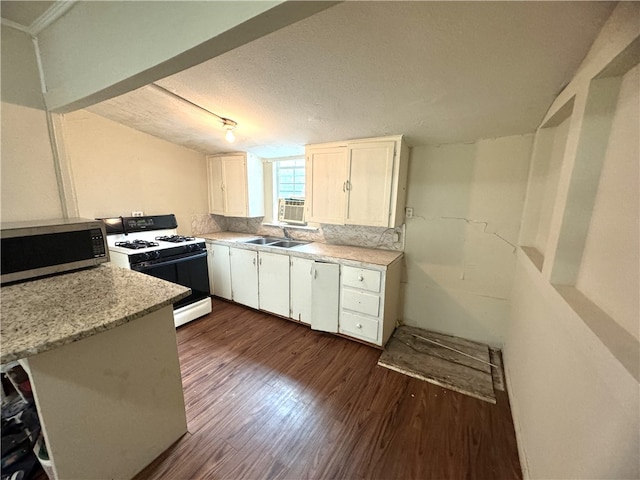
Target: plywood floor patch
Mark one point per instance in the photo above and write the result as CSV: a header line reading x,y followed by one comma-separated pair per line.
x,y
451,362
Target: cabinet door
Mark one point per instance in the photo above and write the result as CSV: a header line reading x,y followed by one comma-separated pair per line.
x,y
235,185
300,272
325,296
219,270
273,283
216,185
369,185
326,183
244,276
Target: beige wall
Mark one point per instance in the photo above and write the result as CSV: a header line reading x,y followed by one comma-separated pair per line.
x,y
460,245
118,170
29,188
572,351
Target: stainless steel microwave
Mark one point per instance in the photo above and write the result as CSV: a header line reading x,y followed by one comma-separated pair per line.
x,y
37,248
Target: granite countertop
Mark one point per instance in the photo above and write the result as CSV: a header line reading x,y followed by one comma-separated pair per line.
x,y
356,256
43,314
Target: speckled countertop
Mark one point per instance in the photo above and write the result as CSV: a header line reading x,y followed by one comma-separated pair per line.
x,y
355,256
40,315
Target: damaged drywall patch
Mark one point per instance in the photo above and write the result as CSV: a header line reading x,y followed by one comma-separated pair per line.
x,y
486,225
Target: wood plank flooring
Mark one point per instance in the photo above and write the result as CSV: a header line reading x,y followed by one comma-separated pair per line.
x,y
271,399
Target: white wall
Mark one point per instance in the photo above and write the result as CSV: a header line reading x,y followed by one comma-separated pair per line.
x,y
551,184
609,268
118,170
575,407
572,369
29,189
460,245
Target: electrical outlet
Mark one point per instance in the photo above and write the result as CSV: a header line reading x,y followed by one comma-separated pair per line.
x,y
137,214
396,237
408,212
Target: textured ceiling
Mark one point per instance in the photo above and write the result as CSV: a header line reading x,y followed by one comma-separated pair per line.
x,y
438,72
24,12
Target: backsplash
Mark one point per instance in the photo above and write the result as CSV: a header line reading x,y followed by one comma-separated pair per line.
x,y
205,223
354,235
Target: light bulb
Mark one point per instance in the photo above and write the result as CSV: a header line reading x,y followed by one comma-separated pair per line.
x,y
230,136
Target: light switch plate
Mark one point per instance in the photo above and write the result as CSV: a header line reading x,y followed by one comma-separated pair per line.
x,y
408,212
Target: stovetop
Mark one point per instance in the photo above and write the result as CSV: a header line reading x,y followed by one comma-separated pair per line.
x,y
143,242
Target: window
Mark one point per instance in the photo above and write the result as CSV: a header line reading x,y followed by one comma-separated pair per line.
x,y
289,178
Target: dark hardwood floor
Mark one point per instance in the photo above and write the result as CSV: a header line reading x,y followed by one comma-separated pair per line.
x,y
269,398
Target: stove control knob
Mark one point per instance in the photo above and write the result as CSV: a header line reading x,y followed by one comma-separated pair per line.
x,y
154,255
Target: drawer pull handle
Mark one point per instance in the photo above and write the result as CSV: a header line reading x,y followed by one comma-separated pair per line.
x,y
358,325
360,278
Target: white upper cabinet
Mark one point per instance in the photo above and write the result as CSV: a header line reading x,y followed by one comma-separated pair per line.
x,y
326,175
236,186
369,184
358,182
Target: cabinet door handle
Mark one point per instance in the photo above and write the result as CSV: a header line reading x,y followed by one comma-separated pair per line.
x,y
260,261
360,278
344,186
254,262
348,184
358,325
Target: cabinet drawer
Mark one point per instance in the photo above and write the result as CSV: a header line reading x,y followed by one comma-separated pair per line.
x,y
361,278
361,302
360,327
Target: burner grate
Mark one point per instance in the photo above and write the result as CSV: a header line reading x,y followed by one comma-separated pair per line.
x,y
174,238
136,244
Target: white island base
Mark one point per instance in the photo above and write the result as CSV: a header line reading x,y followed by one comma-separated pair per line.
x,y
111,403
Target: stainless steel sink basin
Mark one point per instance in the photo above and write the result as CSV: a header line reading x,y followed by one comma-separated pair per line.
x,y
287,244
264,241
276,242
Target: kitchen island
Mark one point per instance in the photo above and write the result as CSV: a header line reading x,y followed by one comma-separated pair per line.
x,y
99,347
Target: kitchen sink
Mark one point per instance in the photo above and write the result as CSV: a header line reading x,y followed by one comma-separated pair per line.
x,y
276,242
287,244
264,241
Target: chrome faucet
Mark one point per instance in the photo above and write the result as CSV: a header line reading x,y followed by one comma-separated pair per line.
x,y
287,235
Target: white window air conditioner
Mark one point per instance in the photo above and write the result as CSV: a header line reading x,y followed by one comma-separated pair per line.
x,y
291,210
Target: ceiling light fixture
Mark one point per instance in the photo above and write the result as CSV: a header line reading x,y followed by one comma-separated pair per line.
x,y
227,123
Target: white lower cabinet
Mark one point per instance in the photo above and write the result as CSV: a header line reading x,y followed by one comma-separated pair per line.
x,y
273,283
219,270
359,302
369,302
301,270
325,296
359,326
244,276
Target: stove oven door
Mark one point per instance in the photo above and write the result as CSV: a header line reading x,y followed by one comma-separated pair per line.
x,y
189,271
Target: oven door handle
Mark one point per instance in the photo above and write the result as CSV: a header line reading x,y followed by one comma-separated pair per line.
x,y
158,263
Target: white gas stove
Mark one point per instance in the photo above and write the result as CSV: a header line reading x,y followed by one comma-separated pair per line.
x,y
151,245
